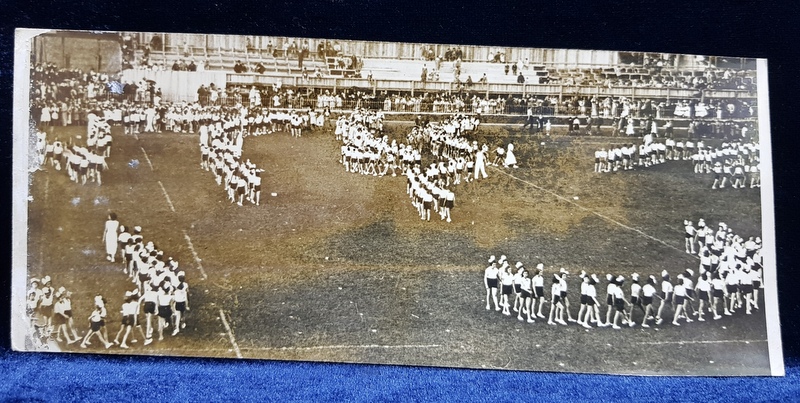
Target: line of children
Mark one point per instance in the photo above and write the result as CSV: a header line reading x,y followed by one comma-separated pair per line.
x,y
731,286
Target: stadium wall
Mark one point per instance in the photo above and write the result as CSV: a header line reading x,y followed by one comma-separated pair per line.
x,y
86,51
200,44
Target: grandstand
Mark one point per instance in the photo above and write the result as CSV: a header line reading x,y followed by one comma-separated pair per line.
x,y
384,67
380,69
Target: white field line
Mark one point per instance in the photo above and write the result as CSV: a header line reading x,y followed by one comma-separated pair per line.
x,y
230,333
194,253
147,158
609,219
169,201
703,342
344,347
46,189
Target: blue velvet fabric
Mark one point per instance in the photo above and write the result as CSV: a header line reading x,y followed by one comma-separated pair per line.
x,y
63,377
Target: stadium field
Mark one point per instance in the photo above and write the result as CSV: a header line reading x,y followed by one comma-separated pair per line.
x,y
339,267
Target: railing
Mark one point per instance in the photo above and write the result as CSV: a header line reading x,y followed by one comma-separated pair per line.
x,y
416,106
336,83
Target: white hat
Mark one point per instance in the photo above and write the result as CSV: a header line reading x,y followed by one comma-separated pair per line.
x,y
563,271
128,294
609,277
664,273
594,277
519,264
62,289
503,258
690,271
98,300
620,278
45,279
181,274
137,228
540,266
635,276
35,280
583,274
491,259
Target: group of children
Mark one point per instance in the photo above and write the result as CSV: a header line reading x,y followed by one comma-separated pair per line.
x,y
161,291
221,152
50,310
733,280
733,163
82,163
455,159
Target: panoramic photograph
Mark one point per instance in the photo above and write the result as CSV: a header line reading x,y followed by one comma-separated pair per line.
x,y
449,205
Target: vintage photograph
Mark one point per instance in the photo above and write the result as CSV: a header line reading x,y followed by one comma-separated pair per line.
x,y
473,206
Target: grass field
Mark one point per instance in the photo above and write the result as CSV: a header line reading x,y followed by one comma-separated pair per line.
x,y
338,266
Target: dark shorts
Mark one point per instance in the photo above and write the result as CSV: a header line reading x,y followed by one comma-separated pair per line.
x,y
690,293
619,305
149,307
164,311
732,288
517,289
507,289
491,282
556,299
257,188
747,288
718,293
667,296
96,326
647,300
426,205
59,319
180,306
68,313
539,292
584,299
46,310
563,294
756,285
448,204
128,320
703,295
679,299
635,301
609,299
590,301
525,294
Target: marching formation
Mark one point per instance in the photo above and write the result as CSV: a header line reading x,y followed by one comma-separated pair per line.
x,y
220,152
429,187
728,280
733,163
82,164
161,291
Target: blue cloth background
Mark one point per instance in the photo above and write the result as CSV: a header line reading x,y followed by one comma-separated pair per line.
x,y
765,29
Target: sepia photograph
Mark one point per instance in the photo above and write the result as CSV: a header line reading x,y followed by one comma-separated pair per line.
x,y
424,204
